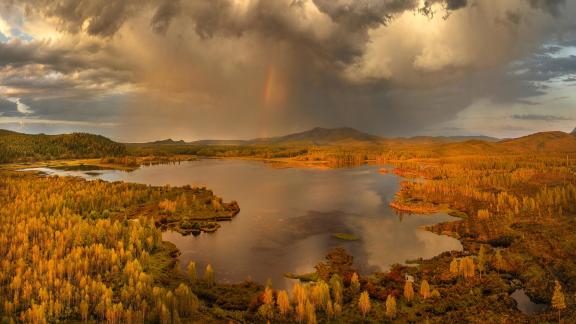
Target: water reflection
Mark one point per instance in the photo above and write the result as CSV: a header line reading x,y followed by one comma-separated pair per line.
x,y
288,216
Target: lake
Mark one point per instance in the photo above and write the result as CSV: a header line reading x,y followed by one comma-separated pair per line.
x,y
289,215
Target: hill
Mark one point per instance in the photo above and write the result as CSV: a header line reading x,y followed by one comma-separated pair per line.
x,y
168,141
541,142
22,147
323,136
573,132
344,136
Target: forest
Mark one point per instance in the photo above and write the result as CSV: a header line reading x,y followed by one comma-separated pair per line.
x,y
18,147
77,250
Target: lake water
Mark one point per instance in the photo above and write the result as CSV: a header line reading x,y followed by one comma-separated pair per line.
x,y
289,215
525,304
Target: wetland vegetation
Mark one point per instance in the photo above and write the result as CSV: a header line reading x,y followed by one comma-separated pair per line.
x,y
78,250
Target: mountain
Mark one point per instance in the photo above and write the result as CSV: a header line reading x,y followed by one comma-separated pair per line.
x,y
168,141
573,132
316,136
323,136
220,142
19,147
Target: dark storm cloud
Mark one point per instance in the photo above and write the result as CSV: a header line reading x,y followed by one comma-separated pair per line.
x,y
551,6
210,64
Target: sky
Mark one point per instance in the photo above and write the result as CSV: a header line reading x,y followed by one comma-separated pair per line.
x,y
141,70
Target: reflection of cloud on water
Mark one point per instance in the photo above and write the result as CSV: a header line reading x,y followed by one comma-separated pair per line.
x,y
388,241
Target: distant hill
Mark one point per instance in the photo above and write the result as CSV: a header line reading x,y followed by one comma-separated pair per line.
x,y
344,136
19,147
541,142
323,136
220,142
168,141
573,132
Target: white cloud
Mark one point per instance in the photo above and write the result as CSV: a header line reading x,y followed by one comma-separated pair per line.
x,y
20,106
23,121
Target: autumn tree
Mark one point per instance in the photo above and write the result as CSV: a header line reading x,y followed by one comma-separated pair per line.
x,y
355,283
467,267
283,303
310,313
558,300
364,303
454,267
424,289
336,285
209,275
408,290
481,260
391,306
191,270
498,261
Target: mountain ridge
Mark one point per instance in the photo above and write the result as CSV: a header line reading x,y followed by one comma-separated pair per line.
x,y
321,136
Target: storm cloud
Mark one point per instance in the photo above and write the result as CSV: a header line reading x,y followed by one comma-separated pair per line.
x,y
249,68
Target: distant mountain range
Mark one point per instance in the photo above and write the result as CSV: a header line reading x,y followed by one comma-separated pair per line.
x,y
344,136
168,141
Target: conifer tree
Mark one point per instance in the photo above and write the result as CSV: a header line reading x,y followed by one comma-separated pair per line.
x,y
454,266
481,260
336,285
364,303
191,270
355,283
391,306
209,275
558,300
408,290
300,311
498,261
424,289
283,303
310,313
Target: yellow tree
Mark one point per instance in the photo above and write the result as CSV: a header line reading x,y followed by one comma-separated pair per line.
x,y
300,311
558,301
268,296
482,260
192,270
498,261
364,303
355,283
425,289
454,266
408,290
336,284
283,303
310,313
391,306
209,275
